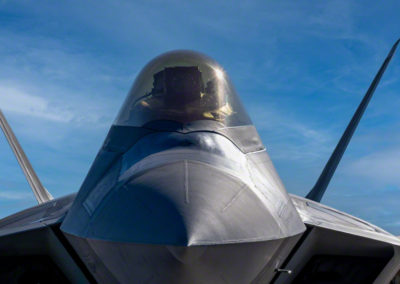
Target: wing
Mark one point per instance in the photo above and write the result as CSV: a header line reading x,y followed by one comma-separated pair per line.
x,y
339,248
32,247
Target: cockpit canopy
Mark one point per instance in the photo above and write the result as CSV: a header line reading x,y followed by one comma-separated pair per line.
x,y
183,87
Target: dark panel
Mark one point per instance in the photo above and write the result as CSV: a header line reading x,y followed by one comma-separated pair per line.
x,y
328,269
30,269
74,255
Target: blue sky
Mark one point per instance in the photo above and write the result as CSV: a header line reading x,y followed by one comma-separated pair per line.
x,y
301,68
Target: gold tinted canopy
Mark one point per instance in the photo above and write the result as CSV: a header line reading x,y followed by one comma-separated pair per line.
x,y
183,87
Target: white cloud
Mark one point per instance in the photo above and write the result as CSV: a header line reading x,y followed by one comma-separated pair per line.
x,y
80,112
13,195
381,167
290,137
17,101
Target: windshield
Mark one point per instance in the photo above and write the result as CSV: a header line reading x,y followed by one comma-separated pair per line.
x,y
182,86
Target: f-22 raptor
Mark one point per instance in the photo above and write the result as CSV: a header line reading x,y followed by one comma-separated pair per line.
x,y
183,191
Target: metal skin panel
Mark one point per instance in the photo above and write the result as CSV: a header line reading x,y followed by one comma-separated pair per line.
x,y
33,234
184,168
35,244
195,167
204,179
245,263
319,215
331,243
333,233
186,190
43,215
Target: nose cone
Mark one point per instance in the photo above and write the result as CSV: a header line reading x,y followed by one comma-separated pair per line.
x,y
184,203
182,190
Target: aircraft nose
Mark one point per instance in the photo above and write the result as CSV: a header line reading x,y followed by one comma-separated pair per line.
x,y
182,203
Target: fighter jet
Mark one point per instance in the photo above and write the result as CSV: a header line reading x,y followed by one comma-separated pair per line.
x,y
183,191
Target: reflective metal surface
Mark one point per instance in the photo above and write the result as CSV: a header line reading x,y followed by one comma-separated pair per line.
x,y
40,216
182,171
245,263
198,180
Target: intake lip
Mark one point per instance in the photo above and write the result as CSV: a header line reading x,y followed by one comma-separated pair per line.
x,y
185,189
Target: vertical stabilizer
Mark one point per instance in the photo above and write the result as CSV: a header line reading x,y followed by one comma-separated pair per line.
x,y
322,183
41,194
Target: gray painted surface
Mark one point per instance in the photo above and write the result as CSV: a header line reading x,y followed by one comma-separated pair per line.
x,y
43,215
142,263
203,180
200,181
319,215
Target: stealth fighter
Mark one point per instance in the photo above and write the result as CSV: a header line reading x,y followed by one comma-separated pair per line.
x,y
183,191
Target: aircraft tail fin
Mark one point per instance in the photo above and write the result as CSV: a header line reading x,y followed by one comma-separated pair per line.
x,y
41,194
322,183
